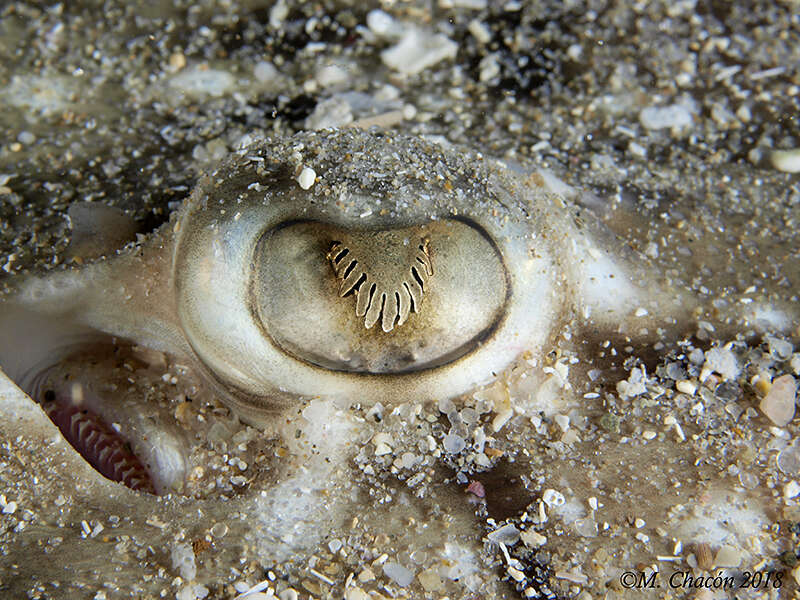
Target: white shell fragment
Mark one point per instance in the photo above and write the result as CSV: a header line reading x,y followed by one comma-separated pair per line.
x,y
398,573
418,50
507,534
779,403
787,161
306,178
199,81
728,556
665,117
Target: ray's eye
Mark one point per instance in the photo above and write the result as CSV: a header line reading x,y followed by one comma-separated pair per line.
x,y
384,301
355,288
385,272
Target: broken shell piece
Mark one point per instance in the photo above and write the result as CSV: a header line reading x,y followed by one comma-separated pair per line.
x,y
704,556
306,178
779,403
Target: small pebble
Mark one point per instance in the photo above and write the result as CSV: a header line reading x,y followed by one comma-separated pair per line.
x,y
637,149
408,460
382,449
722,361
277,15
665,117
562,421
476,488
780,349
355,593
177,61
479,31
489,68
383,437
331,75
744,113
586,527
409,111
453,444
265,71
779,403
431,581
791,489
398,573
795,363
183,561
306,178
788,461
787,161
532,539
383,24
728,556
507,534
366,575
553,498
418,50
330,113
26,137
199,81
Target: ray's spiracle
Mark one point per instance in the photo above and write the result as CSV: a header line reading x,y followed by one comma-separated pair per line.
x,y
98,443
76,410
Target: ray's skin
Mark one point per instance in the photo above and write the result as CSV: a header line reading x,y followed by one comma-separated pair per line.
x,y
239,281
249,283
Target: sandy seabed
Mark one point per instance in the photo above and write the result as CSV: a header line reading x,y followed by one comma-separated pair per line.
x,y
657,464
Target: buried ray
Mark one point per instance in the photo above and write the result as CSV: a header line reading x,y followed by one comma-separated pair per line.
x,y
239,283
405,282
